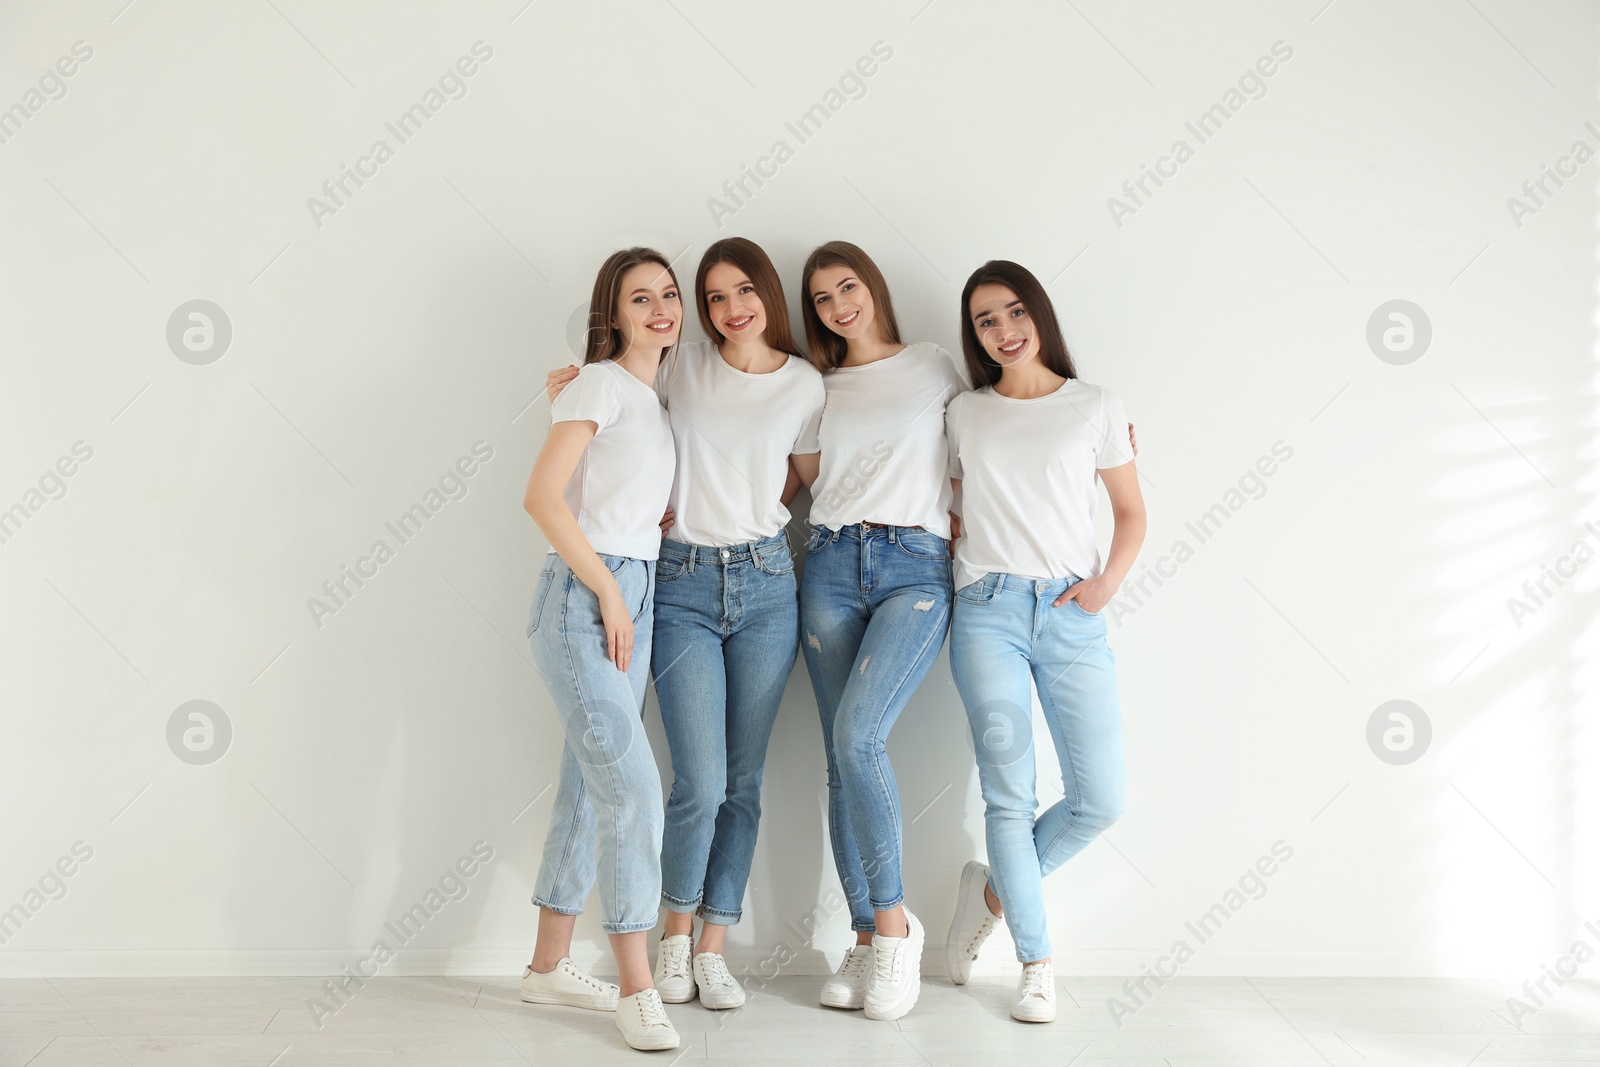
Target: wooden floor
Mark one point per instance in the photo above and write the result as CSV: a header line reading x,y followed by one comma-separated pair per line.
x,y
433,1022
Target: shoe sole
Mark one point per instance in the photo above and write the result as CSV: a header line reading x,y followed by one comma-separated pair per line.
x,y
678,998
568,1002
953,953
843,1003
658,1045
909,999
720,1005
1034,1019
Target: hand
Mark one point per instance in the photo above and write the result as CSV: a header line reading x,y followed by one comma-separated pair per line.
x,y
667,519
619,628
1133,440
1092,594
955,532
557,380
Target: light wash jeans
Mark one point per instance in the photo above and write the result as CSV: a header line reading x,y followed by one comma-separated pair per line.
x,y
874,611
1005,640
726,636
606,817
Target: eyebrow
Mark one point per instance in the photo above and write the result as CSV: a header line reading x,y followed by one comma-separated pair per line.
x,y
985,311
646,289
846,278
741,281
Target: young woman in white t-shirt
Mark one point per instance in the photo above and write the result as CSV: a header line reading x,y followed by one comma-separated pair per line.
x,y
875,596
1026,449
597,492
726,617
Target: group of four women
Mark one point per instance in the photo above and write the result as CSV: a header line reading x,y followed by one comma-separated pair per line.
x,y
663,489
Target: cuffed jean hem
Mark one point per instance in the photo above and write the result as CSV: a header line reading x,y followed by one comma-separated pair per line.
x,y
680,907
628,928
895,903
863,928
720,918
557,908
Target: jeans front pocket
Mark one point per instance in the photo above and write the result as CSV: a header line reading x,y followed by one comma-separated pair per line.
x,y
920,544
979,592
547,578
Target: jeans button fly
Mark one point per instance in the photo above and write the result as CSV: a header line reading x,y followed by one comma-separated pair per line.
x,y
724,553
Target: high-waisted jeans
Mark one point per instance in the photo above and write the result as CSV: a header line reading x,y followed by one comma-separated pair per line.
x,y
725,640
874,611
1006,639
606,820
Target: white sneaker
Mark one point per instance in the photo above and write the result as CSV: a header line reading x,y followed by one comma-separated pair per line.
x,y
674,975
1036,995
972,925
644,1023
848,986
896,972
566,984
718,988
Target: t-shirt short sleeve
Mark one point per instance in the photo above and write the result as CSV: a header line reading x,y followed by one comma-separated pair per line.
x,y
809,442
1116,446
591,396
952,433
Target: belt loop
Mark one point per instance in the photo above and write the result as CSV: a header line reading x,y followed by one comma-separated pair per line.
x,y
692,554
892,530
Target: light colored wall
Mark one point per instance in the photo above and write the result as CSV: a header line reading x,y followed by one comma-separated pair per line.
x,y
373,346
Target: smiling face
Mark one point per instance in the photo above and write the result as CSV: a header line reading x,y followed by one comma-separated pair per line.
x,y
1003,325
843,303
735,308
648,309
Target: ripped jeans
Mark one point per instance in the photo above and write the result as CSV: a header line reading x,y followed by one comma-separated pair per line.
x,y
874,612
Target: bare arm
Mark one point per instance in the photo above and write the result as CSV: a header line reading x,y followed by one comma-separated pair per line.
x,y
806,467
1127,509
544,501
791,485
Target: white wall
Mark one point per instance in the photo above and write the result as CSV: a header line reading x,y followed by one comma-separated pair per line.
x,y
374,346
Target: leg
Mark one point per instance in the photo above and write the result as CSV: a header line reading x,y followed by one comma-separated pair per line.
x,y
690,684
833,620
989,657
758,658
901,643
1075,671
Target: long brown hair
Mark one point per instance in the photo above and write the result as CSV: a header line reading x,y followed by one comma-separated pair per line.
x,y
828,348
602,340
748,257
1014,276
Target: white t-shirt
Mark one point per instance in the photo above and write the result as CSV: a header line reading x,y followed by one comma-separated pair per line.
x,y
734,433
884,455
619,488
1027,470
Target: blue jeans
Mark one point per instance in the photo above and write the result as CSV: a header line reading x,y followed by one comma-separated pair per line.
x,y
874,610
1005,640
726,635
606,818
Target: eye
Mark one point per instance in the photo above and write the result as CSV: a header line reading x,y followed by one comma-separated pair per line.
x,y
985,323
747,289
1017,312
822,298
849,286
713,298
672,294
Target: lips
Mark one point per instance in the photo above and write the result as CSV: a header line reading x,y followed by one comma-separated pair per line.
x,y
1014,348
662,326
845,320
739,323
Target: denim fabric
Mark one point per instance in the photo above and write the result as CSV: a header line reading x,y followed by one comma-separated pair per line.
x,y
874,611
726,636
606,820
1006,639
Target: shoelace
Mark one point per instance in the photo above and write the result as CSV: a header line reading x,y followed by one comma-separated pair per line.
x,y
651,1013
886,965
1036,980
985,928
588,979
677,958
855,964
715,969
